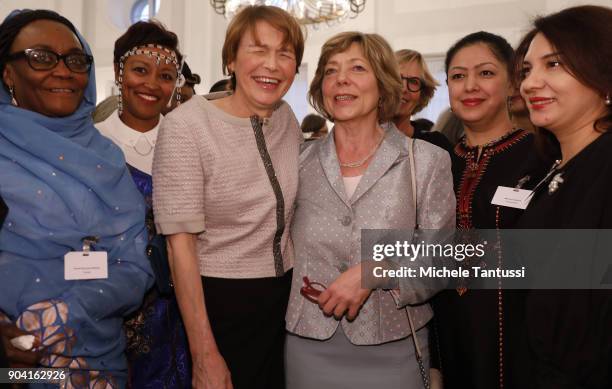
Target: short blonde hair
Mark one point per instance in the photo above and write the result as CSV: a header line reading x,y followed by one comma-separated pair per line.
x,y
379,54
429,82
247,19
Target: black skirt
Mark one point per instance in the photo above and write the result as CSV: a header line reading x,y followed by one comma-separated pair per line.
x,y
247,317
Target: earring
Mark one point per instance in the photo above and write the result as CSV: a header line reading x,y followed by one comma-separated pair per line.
x,y
176,95
179,96
509,105
12,93
608,100
180,81
119,83
120,102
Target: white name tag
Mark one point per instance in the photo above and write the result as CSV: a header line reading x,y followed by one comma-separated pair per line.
x,y
512,197
80,265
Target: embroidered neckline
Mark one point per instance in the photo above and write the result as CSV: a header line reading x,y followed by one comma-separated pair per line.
x,y
462,149
475,169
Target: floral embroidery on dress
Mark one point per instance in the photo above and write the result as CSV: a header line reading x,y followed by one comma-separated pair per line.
x,y
47,321
138,341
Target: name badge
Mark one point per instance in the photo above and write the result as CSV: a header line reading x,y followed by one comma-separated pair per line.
x,y
512,197
86,265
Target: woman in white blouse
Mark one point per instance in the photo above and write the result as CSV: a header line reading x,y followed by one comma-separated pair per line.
x,y
146,81
147,68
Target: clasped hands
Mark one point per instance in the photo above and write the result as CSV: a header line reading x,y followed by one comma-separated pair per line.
x,y
344,296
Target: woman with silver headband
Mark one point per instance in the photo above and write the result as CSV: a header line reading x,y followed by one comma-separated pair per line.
x,y
106,107
148,74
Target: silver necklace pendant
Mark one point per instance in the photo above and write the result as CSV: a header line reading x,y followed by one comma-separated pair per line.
x,y
142,147
557,180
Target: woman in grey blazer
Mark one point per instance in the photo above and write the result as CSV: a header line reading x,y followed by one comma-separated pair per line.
x,y
359,177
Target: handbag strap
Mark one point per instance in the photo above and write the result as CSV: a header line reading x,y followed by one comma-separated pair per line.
x,y
413,180
417,347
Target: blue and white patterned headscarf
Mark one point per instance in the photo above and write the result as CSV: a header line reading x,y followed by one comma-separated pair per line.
x,y
63,181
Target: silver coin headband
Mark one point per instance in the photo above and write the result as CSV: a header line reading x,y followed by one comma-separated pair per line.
x,y
166,55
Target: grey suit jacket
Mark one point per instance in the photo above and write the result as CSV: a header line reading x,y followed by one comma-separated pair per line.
x,y
327,225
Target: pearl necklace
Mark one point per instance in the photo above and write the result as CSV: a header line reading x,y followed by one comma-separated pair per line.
x,y
362,161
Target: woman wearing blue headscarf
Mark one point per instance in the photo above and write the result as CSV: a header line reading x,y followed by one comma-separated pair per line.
x,y
63,182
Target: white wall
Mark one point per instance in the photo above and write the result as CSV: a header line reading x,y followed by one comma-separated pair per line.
x,y
72,9
427,26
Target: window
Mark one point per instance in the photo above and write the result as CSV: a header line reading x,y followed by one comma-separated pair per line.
x,y
141,10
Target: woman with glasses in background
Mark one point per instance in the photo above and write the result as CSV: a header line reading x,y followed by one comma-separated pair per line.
x,y
419,87
71,200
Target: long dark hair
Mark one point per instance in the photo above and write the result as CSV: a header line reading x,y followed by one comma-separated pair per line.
x,y
581,36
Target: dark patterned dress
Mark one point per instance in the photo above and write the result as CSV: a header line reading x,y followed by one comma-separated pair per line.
x,y
473,328
157,348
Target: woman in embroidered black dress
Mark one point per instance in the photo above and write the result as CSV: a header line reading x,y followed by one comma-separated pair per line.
x,y
472,351
565,64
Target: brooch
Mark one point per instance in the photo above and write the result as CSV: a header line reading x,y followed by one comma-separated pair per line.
x,y
554,183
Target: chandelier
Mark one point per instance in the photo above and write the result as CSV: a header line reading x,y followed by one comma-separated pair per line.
x,y
311,12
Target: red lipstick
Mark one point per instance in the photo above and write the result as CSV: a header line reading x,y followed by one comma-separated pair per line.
x,y
539,102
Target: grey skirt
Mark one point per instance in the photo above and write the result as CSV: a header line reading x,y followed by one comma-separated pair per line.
x,y
336,363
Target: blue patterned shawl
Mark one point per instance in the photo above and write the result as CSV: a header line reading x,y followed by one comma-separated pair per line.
x,y
63,181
